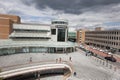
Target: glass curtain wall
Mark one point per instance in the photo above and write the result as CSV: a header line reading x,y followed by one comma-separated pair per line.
x,y
61,34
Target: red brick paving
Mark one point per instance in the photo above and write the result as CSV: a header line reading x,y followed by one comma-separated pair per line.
x,y
103,54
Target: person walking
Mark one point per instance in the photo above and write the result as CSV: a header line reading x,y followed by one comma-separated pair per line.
x,y
75,73
70,59
30,59
60,60
56,60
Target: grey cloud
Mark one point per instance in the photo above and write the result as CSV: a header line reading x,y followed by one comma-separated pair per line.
x,y
15,12
69,6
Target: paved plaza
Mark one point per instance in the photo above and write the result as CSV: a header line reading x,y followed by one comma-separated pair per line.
x,y
84,66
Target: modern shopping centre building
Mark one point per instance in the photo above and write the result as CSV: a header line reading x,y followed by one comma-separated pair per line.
x,y
17,37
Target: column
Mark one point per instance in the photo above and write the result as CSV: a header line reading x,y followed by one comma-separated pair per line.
x,y
63,50
56,49
71,49
48,50
66,35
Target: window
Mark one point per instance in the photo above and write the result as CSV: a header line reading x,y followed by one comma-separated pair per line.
x,y
61,35
53,31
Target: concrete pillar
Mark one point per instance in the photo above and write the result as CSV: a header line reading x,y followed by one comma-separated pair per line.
x,y
38,76
56,50
27,49
74,49
48,50
66,35
63,50
71,50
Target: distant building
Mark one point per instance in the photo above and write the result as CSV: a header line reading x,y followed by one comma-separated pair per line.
x,y
6,22
107,39
81,36
99,29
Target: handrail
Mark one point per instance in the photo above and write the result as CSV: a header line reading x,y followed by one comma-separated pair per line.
x,y
25,70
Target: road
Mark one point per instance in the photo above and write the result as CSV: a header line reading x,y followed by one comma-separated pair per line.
x,y
85,68
102,55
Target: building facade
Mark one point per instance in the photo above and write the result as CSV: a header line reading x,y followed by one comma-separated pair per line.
x,y
6,22
81,36
37,38
107,39
59,30
30,32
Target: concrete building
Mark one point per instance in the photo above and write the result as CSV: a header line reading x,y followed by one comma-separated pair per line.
x,y
59,30
6,22
99,29
81,36
37,38
30,32
107,39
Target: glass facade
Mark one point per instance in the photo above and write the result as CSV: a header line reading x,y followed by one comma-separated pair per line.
x,y
17,50
53,31
61,35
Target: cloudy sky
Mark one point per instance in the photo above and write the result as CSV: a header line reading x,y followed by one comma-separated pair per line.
x,y
77,12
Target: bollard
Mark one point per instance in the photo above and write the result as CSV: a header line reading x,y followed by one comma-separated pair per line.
x,y
103,63
97,60
110,66
106,64
100,61
115,69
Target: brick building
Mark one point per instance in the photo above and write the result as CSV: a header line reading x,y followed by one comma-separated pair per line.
x,y
81,36
6,22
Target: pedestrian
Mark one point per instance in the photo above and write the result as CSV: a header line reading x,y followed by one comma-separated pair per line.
x,y
70,59
60,60
86,54
30,59
75,73
66,53
56,60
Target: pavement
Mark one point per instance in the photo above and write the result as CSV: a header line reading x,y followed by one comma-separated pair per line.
x,y
58,77
85,67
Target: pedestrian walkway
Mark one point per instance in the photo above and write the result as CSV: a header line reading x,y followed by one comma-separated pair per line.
x,y
58,77
74,78
82,64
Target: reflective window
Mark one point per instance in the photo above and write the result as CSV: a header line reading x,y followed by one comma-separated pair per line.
x,y
53,31
61,34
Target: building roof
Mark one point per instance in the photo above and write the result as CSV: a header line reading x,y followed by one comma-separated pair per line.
x,y
31,27
14,18
29,35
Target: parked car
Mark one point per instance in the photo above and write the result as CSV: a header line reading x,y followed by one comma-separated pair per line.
x,y
111,58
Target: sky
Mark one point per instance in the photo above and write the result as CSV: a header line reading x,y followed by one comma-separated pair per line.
x,y
79,13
